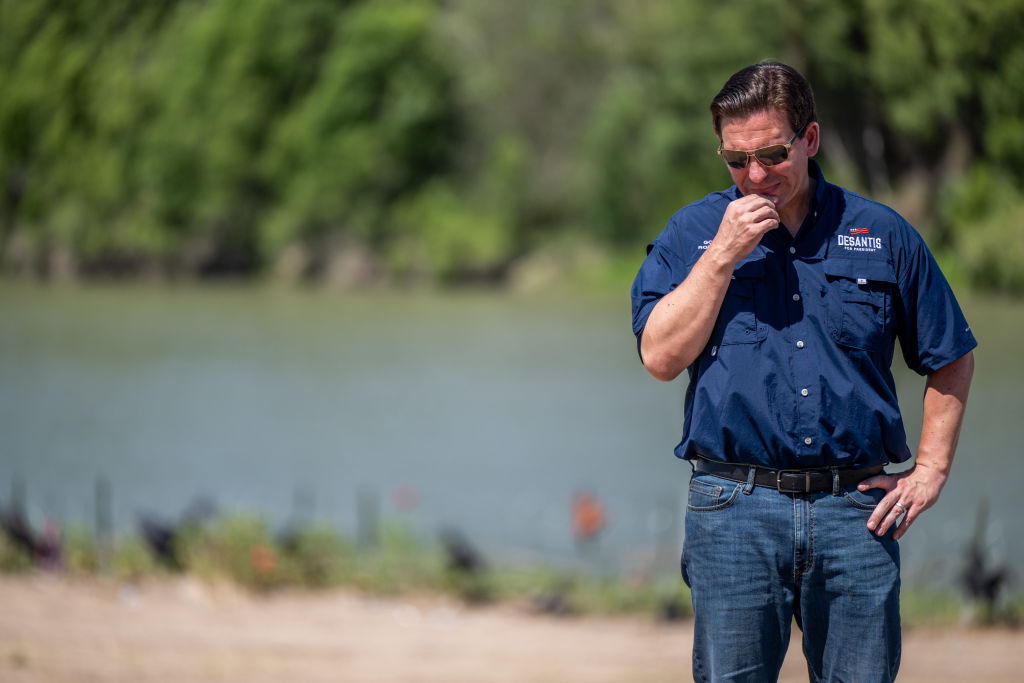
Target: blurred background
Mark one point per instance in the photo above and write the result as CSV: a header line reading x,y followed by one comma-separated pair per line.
x,y
363,265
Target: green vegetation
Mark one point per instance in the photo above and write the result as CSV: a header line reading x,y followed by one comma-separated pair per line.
x,y
243,550
357,141
13,558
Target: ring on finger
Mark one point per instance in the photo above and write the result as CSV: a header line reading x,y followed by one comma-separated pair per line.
x,y
902,507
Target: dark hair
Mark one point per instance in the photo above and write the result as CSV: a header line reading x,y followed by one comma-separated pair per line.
x,y
762,87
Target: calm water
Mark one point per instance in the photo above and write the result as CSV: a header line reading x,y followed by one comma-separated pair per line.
x,y
486,412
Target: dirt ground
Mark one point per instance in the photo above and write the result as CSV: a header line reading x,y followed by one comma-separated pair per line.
x,y
60,629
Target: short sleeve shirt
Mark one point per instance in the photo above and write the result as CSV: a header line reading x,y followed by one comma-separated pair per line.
x,y
797,372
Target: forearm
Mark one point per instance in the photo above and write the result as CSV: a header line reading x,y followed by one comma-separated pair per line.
x,y
680,325
912,492
945,399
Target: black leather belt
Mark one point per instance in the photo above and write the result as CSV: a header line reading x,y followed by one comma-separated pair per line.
x,y
786,481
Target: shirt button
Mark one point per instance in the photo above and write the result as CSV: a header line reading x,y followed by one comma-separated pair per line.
x,y
800,344
796,297
792,250
804,392
808,441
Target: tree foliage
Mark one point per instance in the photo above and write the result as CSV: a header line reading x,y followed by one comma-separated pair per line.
x,y
444,140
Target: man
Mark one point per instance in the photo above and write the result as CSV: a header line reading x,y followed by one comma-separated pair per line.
x,y
782,297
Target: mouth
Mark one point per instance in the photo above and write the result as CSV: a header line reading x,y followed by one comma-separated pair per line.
x,y
771,192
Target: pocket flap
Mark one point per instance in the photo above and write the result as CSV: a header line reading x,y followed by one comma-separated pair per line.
x,y
860,269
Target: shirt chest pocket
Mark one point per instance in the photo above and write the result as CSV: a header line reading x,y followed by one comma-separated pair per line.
x,y
860,299
738,322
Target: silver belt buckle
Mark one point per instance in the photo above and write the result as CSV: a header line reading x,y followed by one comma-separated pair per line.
x,y
807,481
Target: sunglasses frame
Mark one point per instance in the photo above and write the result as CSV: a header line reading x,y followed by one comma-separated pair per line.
x,y
760,150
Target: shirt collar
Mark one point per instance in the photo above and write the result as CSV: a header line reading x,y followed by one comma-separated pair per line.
x,y
818,199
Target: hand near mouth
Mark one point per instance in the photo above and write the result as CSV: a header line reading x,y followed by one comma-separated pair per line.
x,y
745,222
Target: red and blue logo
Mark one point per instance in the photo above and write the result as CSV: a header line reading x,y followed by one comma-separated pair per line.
x,y
859,231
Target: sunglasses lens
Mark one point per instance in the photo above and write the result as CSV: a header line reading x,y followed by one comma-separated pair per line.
x,y
735,158
769,156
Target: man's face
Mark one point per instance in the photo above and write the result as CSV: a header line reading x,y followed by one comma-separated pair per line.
x,y
786,183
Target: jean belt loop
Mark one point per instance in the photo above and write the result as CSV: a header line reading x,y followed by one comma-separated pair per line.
x,y
749,488
835,481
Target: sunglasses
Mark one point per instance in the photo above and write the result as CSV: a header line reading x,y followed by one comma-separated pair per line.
x,y
766,156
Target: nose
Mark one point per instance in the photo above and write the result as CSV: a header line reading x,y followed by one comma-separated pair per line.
x,y
755,171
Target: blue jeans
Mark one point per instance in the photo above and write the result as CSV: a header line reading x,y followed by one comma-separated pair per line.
x,y
755,559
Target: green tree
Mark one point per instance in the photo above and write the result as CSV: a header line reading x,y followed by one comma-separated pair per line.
x,y
444,140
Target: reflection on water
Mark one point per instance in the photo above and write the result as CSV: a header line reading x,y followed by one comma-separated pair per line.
x,y
486,412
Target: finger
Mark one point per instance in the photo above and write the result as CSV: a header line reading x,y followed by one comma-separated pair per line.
x,y
754,199
908,519
768,212
752,212
765,218
914,509
885,512
766,225
886,482
754,202
885,516
763,202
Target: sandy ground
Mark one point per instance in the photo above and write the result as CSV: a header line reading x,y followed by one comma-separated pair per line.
x,y
59,629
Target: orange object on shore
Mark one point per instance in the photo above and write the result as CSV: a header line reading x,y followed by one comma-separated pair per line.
x,y
263,558
588,517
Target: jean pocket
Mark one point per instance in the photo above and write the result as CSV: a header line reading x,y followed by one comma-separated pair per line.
x,y
863,500
706,496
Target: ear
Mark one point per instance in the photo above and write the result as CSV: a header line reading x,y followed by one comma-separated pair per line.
x,y
812,137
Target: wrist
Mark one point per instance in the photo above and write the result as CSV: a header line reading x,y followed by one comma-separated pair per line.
x,y
934,470
719,260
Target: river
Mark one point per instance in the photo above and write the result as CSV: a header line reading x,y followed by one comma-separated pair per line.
x,y
487,412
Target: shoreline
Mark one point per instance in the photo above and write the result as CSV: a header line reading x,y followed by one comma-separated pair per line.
x,y
60,628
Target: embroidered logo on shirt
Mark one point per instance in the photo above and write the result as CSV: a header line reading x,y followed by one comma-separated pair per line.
x,y
859,239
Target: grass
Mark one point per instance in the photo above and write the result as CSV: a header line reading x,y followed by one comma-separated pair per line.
x,y
243,550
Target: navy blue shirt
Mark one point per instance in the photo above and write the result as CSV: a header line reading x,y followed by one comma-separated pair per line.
x,y
796,373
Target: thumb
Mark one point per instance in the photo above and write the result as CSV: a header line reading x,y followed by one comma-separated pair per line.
x,y
879,481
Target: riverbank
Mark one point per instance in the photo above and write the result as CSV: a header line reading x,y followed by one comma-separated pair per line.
x,y
55,628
